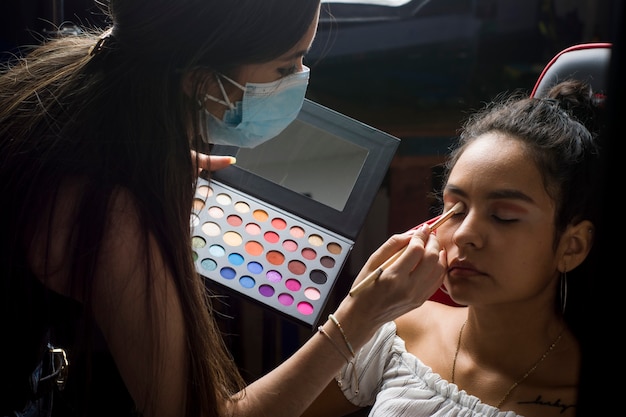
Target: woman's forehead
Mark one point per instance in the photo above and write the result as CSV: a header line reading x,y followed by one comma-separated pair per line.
x,y
497,161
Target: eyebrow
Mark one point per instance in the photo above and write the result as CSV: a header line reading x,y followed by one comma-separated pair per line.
x,y
504,193
297,54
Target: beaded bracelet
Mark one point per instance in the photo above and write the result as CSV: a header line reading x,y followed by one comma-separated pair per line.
x,y
348,360
332,318
337,348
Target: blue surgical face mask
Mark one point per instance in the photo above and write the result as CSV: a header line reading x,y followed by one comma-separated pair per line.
x,y
265,110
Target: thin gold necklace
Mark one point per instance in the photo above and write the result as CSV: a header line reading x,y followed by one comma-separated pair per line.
x,y
519,381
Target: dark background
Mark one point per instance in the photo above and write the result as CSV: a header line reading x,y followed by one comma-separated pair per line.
x,y
414,72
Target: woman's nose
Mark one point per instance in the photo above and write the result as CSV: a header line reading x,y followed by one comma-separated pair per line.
x,y
468,231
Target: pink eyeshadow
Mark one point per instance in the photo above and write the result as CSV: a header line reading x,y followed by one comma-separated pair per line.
x,y
293,285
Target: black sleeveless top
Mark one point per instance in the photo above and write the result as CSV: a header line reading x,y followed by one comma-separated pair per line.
x,y
31,317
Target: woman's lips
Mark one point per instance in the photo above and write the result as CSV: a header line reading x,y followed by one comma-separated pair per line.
x,y
463,269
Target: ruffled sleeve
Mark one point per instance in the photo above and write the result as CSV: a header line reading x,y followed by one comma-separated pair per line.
x,y
397,384
361,384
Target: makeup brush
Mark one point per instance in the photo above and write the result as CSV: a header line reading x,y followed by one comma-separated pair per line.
x,y
377,273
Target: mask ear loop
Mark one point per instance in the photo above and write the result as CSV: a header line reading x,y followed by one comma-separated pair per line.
x,y
233,82
226,102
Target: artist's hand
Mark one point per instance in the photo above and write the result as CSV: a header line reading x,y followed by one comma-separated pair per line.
x,y
399,288
211,162
410,279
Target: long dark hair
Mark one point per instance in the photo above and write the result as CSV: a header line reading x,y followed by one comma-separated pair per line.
x,y
116,116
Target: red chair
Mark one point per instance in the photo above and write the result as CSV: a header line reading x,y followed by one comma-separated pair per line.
x,y
588,62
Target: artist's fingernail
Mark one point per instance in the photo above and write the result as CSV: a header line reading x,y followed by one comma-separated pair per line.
x,y
232,160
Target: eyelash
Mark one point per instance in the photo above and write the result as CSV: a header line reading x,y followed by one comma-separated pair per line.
x,y
496,218
287,71
500,220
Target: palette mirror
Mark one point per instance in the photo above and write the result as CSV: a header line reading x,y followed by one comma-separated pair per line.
x,y
309,161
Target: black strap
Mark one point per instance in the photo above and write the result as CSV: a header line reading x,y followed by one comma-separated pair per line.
x,y
49,376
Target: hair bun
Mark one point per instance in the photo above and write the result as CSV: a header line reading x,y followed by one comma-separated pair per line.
x,y
578,99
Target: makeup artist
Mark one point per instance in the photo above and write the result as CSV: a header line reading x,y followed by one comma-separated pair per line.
x,y
525,171
98,173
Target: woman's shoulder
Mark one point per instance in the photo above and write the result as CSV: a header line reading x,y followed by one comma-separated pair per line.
x,y
431,320
54,236
430,315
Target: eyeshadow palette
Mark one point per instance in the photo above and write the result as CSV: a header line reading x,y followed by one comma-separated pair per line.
x,y
278,226
263,252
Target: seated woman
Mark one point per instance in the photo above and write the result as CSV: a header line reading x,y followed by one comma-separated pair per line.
x,y
516,257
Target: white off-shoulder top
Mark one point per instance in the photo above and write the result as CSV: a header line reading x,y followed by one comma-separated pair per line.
x,y
396,384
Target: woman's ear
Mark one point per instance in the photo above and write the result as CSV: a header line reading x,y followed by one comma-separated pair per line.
x,y
575,245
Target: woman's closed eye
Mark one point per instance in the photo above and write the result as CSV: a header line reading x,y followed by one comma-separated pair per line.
x,y
505,212
504,219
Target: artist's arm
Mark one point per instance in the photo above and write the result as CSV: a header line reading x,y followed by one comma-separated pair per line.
x,y
291,388
331,403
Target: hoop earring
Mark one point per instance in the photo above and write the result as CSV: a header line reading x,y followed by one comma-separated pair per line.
x,y
563,290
